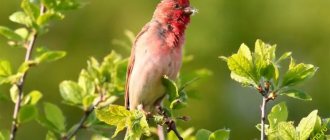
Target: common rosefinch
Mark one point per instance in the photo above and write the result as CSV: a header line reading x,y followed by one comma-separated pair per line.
x,y
157,51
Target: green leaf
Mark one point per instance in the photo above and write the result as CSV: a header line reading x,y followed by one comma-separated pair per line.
x,y
88,101
86,83
279,113
245,52
25,66
50,56
139,125
27,113
50,4
48,16
5,69
23,32
115,115
9,34
35,97
55,116
203,134
270,72
31,9
297,94
283,57
222,134
298,73
14,91
264,56
171,88
242,67
243,80
287,131
306,125
21,18
71,92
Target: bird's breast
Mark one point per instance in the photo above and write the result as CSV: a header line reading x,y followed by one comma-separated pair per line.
x,y
153,59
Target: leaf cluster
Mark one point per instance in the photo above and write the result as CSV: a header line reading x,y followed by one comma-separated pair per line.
x,y
99,81
256,68
309,127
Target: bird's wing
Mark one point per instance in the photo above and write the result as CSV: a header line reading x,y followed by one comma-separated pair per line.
x,y
131,65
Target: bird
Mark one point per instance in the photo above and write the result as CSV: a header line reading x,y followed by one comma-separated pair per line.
x,y
157,51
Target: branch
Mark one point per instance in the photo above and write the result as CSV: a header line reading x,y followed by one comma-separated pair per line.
x,y
171,125
267,95
263,118
80,124
29,45
84,118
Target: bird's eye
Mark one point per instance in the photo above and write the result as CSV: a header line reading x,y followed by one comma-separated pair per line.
x,y
176,6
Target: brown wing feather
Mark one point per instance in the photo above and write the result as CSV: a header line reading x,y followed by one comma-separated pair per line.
x,y
131,65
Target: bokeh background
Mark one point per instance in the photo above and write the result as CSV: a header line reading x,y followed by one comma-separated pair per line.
x,y
300,26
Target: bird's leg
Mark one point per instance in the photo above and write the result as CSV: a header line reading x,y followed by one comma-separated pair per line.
x,y
171,125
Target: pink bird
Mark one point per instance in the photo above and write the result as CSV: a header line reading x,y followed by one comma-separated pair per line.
x,y
157,51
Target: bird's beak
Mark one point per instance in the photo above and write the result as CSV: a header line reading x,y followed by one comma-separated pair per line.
x,y
190,10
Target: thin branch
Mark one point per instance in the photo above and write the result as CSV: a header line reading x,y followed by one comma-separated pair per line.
x,y
80,124
20,86
29,45
84,118
263,118
171,125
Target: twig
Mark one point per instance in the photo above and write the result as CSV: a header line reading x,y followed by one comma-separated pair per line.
x,y
84,118
81,123
20,86
29,45
267,95
171,125
263,118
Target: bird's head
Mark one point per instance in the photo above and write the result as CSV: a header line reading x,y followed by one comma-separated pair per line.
x,y
174,12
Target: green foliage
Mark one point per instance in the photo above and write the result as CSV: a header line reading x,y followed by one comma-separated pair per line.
x,y
298,94
280,128
203,134
298,73
57,120
71,92
260,70
279,113
50,56
9,34
98,79
53,118
261,66
27,113
5,71
135,121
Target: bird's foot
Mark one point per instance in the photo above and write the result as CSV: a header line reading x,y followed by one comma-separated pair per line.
x,y
171,125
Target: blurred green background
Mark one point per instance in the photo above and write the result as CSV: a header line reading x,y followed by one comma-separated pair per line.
x,y
300,26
